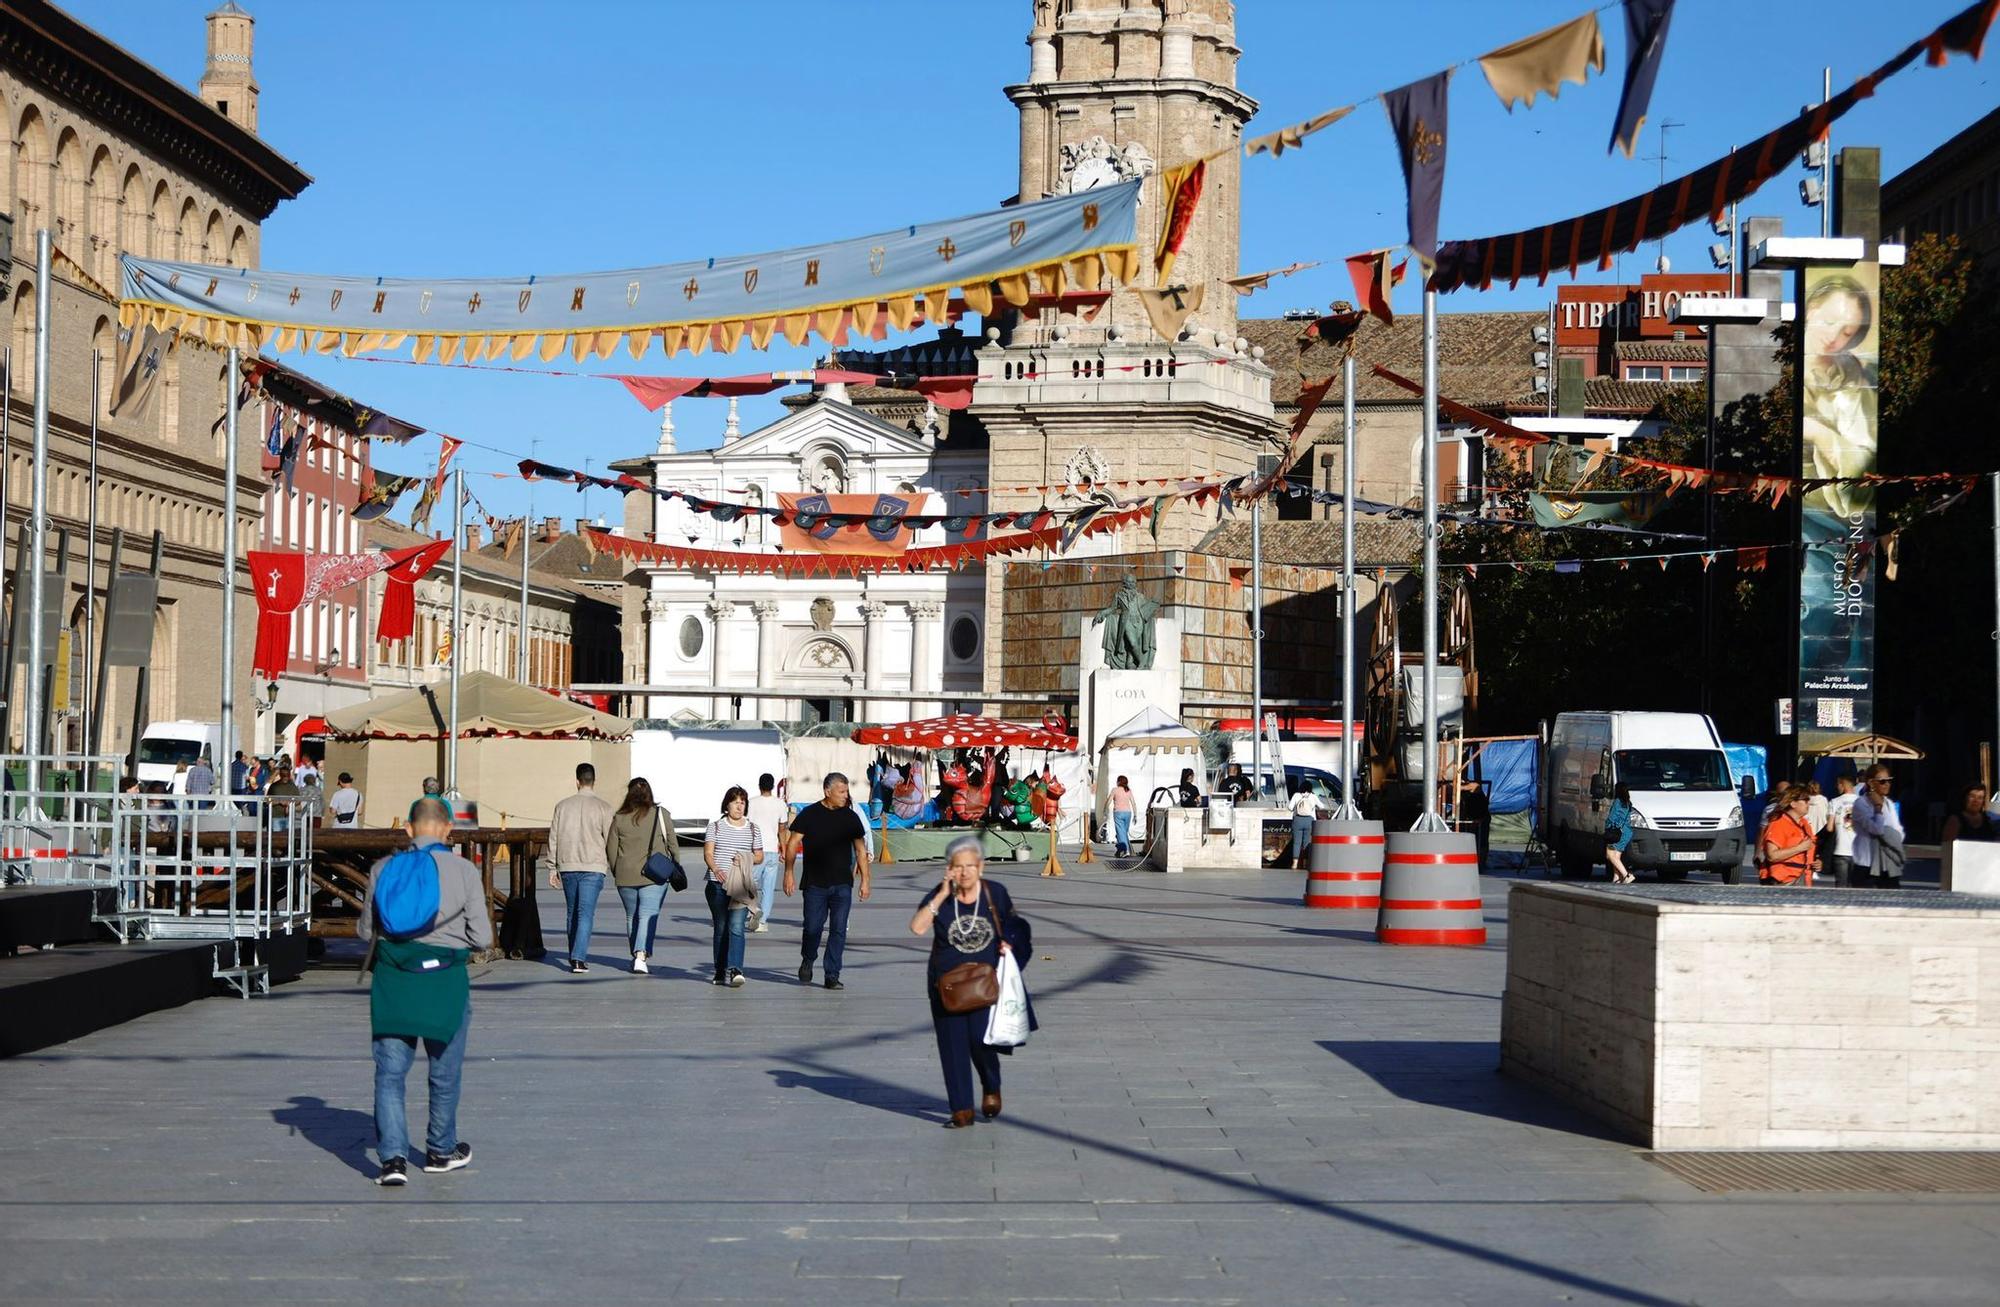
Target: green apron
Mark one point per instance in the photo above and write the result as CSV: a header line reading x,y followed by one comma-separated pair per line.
x,y
420,991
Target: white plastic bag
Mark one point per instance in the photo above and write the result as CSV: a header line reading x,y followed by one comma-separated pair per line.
x,y
1007,1020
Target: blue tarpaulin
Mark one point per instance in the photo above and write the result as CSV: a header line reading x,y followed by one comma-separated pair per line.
x,y
1747,760
1511,768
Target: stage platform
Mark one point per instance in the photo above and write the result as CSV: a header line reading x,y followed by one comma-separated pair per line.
x,y
32,916
59,994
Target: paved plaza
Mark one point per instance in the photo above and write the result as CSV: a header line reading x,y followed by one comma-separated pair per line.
x,y
1232,1099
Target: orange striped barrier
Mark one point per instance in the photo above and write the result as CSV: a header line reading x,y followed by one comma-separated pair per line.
x,y
1430,890
1344,865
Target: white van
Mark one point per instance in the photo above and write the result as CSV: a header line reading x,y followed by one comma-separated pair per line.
x,y
1686,816
689,770
166,745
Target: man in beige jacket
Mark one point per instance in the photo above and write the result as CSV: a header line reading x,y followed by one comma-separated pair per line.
x,y
576,849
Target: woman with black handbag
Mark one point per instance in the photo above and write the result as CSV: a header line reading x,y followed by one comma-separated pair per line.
x,y
971,922
641,831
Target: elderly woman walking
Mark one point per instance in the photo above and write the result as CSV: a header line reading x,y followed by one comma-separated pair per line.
x,y
969,919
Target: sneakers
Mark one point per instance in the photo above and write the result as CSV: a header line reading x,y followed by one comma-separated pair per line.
x,y
577,966
760,927
457,1157
735,979
833,982
639,967
805,973
395,1174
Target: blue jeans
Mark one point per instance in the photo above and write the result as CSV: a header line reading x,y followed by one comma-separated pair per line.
x,y
642,914
1121,823
728,929
1302,836
768,882
394,1055
580,891
827,907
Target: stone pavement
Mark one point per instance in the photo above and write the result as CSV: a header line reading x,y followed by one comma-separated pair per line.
x,y
1232,1100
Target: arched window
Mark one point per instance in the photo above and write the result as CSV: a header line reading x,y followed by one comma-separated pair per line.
x,y
211,239
68,182
24,338
6,165
32,192
131,234
160,235
102,203
187,233
239,249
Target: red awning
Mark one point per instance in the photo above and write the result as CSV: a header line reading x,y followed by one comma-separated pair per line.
x,y
964,730
1303,728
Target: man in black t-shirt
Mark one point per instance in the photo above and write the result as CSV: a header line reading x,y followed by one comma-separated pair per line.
x,y
831,842
1236,785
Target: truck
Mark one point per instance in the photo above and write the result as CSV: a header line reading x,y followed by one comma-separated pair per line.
x,y
165,746
690,768
1686,814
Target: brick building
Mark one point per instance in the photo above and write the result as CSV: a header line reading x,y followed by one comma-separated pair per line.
x,y
110,154
1952,191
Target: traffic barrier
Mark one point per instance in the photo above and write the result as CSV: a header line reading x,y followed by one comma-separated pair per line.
x,y
1430,890
1344,865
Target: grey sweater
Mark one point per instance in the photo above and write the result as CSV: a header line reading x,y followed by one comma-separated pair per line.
x,y
462,921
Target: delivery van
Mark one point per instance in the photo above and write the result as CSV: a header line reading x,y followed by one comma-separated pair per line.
x,y
1686,814
165,746
690,769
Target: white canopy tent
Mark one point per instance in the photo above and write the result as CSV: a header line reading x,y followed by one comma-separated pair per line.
x,y
1150,750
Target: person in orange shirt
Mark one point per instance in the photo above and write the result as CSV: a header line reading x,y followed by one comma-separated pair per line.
x,y
1788,842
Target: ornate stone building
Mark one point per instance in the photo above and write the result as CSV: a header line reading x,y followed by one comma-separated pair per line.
x,y
109,154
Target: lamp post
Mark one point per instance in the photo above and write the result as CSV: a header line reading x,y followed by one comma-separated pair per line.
x,y
457,618
38,523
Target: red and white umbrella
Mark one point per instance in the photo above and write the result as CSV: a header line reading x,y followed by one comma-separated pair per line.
x,y
965,731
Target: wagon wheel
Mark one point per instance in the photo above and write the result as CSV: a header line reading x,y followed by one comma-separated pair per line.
x,y
1458,649
1385,665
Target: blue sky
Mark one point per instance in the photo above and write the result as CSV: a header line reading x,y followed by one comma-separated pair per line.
x,y
505,137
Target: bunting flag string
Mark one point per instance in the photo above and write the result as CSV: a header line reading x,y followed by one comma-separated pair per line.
x,y
1704,193
695,305
1758,485
951,557
1252,282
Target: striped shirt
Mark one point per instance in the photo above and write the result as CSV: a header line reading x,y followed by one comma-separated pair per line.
x,y
730,839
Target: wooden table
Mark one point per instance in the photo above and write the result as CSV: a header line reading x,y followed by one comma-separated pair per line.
x,y
342,860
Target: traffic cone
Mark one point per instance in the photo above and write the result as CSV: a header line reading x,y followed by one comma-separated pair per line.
x,y
885,857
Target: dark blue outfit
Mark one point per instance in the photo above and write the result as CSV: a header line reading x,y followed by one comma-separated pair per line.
x,y
961,1036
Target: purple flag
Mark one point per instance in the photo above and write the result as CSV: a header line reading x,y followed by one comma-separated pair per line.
x,y
1645,42
1417,115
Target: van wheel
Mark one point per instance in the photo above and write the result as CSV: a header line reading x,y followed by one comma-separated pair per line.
x,y
1731,874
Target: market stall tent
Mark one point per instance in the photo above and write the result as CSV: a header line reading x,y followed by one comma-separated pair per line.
x,y
1151,750
517,754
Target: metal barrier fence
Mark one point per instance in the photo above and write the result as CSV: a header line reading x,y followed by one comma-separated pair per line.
x,y
209,867
58,832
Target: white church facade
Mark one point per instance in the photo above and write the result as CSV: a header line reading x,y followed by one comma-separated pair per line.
x,y
778,647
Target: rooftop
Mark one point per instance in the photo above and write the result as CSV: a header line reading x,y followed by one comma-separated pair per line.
x,y
487,562
1316,543
1484,359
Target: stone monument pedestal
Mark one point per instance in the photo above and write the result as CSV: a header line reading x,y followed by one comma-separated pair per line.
x,y
1109,697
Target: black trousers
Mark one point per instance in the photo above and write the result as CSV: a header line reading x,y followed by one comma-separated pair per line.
x,y
962,1050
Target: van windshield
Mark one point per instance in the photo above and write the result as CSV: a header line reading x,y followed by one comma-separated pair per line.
x,y
1672,769
164,752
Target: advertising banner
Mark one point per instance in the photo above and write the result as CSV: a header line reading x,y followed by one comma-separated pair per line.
x,y
1841,317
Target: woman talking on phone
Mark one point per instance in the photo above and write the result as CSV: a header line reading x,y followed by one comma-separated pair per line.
x,y
969,920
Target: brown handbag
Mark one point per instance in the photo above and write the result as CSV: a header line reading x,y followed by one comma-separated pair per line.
x,y
970,986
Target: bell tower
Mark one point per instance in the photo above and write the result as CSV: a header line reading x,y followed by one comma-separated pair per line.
x,y
1125,88
228,85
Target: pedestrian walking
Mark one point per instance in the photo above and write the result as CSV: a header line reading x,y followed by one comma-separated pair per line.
x,y
343,806
1840,824
1787,848
423,923
731,837
773,817
639,829
969,920
307,771
1618,835
831,842
1122,805
579,833
1878,830
201,781
1305,811
433,789
286,790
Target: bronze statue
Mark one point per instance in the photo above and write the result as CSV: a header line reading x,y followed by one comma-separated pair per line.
x,y
1128,628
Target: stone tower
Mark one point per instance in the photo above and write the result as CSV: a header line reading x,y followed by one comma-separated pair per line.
x,y
1123,88
227,84
1118,88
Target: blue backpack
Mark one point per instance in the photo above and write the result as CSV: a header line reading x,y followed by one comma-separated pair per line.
x,y
406,894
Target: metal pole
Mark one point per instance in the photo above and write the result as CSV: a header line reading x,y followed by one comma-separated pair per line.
x,y
527,540
231,379
90,706
38,523
457,634
1825,180
1430,820
1257,643
6,452
1349,810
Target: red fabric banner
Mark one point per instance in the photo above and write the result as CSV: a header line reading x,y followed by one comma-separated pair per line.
x,y
865,525
285,581
399,597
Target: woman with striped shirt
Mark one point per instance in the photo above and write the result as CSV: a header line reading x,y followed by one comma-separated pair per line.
x,y
730,836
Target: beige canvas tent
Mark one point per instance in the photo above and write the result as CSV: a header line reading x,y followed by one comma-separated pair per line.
x,y
518,749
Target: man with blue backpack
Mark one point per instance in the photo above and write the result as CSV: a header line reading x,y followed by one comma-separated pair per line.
x,y
424,917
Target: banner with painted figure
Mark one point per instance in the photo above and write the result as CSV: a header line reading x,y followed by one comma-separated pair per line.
x,y
1838,380
870,525
698,304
